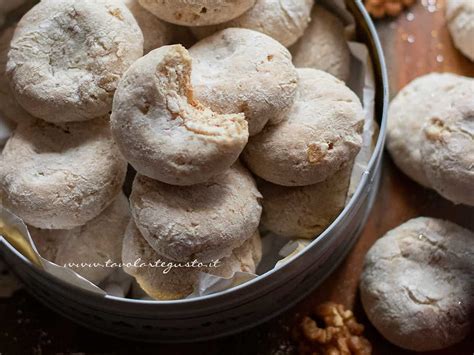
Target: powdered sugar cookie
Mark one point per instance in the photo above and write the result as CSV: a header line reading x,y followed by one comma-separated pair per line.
x,y
460,18
197,12
204,222
163,131
447,147
239,70
283,20
321,135
324,45
67,57
60,177
304,211
421,271
432,143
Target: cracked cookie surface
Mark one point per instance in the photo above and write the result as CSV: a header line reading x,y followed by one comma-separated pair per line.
x,y
163,131
239,70
205,221
431,134
283,20
324,45
447,147
67,57
416,285
197,12
322,133
60,177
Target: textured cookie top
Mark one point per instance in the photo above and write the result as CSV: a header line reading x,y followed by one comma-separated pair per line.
x,y
197,12
447,146
408,112
204,222
45,151
59,177
283,20
324,45
304,211
163,131
430,134
67,57
322,133
239,70
421,271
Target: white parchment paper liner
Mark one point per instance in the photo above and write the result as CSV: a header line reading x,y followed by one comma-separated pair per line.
x,y
60,272
276,250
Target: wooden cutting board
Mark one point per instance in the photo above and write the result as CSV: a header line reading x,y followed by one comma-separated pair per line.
x,y
415,43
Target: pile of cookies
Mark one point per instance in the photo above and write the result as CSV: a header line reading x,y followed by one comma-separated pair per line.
x,y
61,170
223,136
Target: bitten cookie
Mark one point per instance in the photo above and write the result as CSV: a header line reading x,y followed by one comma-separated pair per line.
x,y
417,284
60,177
304,211
99,241
324,45
460,18
197,12
204,222
9,107
283,20
321,135
163,131
67,57
239,70
432,142
179,282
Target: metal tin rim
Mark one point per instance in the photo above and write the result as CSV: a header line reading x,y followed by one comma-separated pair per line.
x,y
320,239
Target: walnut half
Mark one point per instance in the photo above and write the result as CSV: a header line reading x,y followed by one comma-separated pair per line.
x,y
382,8
341,334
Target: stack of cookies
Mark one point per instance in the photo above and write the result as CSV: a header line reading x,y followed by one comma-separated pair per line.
x,y
87,102
61,170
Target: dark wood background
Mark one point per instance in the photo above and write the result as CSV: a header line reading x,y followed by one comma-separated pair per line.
x,y
415,43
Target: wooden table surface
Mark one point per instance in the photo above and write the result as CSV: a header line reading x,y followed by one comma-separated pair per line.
x,y
415,43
